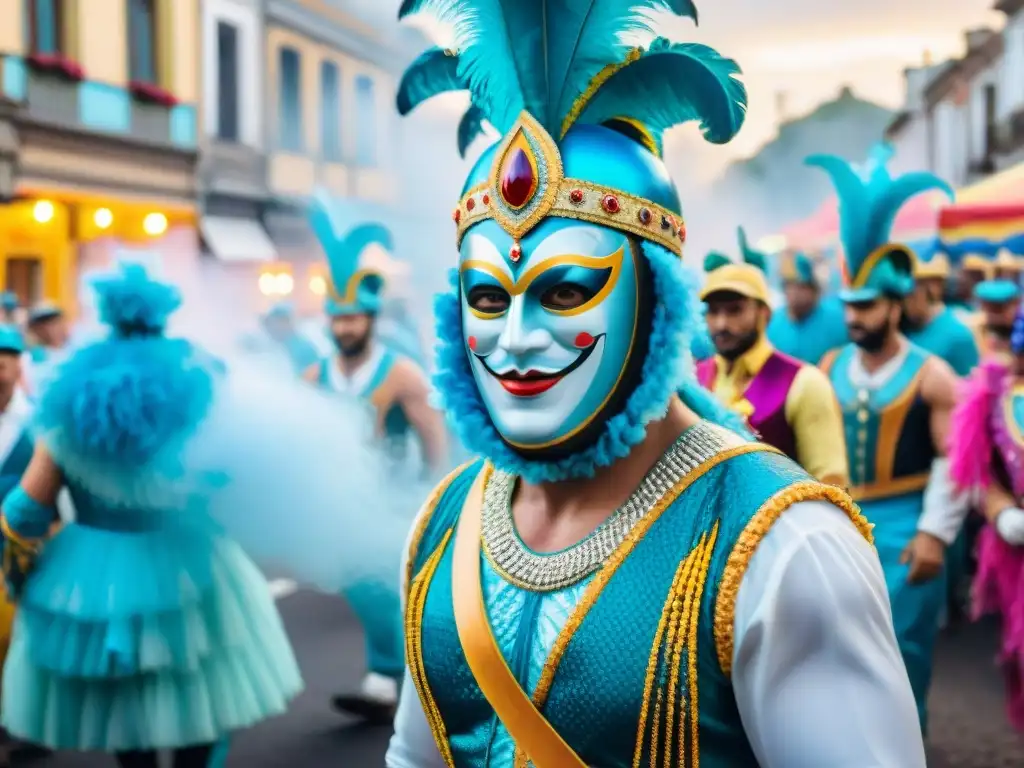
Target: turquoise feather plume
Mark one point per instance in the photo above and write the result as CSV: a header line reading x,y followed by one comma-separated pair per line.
x,y
715,260
471,127
435,71
869,201
750,256
671,84
540,55
344,232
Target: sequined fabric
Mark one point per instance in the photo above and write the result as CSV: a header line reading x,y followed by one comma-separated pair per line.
x,y
583,651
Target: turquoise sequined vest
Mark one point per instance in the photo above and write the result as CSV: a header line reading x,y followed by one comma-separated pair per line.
x,y
888,430
632,662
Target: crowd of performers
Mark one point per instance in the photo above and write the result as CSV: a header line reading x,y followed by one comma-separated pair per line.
x,y
648,559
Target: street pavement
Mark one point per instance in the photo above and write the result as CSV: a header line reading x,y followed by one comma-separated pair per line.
x,y
968,727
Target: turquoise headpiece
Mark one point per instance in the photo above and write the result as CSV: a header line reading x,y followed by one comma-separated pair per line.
x,y
573,204
997,291
715,260
798,268
345,231
868,204
9,301
11,339
749,255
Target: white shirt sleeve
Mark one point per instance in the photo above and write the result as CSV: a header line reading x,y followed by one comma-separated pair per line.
x,y
944,509
817,672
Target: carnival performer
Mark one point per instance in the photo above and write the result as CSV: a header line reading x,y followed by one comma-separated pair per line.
x,y
985,456
397,391
997,299
619,577
788,404
811,323
896,400
170,620
931,325
15,452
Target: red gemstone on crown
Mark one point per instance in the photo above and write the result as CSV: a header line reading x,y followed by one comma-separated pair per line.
x,y
470,204
576,196
610,203
645,216
486,199
515,252
456,215
518,181
682,233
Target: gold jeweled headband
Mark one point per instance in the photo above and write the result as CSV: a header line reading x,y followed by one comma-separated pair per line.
x,y
527,184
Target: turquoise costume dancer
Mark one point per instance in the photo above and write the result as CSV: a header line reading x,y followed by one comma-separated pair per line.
x,y
896,399
395,393
563,344
810,324
172,640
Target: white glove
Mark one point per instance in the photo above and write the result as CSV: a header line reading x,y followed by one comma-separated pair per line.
x,y
1010,526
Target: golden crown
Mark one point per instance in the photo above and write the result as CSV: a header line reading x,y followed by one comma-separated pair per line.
x,y
527,184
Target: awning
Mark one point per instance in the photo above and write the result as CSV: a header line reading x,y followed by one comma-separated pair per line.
x,y
1003,187
982,228
237,240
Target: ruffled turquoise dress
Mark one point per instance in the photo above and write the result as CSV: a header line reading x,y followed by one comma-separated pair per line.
x,y
141,628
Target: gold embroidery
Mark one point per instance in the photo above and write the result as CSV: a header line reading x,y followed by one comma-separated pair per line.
x,y
595,84
652,668
424,518
604,575
414,649
673,648
750,538
691,660
656,725
19,552
890,425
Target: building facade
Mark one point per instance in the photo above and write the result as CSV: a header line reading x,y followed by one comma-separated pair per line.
x,y
1010,111
106,94
908,133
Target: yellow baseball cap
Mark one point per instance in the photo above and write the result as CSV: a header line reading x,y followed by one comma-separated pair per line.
x,y
744,279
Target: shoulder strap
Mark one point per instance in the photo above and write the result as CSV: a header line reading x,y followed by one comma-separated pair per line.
x,y
828,360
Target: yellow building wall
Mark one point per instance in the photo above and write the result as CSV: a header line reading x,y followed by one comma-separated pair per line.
x,y
12,26
101,40
21,236
182,39
293,175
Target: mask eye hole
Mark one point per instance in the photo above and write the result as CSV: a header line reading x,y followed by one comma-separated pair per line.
x,y
488,299
566,296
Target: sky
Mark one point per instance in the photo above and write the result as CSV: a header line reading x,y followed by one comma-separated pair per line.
x,y
808,50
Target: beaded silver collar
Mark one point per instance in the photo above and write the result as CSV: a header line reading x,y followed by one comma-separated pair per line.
x,y
548,572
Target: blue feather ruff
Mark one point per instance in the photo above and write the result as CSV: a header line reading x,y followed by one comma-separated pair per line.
x,y
668,370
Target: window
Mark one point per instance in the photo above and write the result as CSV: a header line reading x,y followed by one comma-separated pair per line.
x,y
45,27
330,111
227,81
991,106
290,98
142,41
366,139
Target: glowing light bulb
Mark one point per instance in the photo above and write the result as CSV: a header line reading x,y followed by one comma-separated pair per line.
x,y
154,224
318,285
284,283
267,284
103,218
43,211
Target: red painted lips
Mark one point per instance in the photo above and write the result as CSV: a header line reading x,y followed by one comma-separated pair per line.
x,y
529,384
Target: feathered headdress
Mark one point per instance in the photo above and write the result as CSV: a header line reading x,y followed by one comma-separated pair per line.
x,y
535,70
345,231
868,205
749,255
748,277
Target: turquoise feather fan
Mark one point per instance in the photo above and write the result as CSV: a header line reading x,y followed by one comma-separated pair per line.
x,y
869,201
471,127
748,254
567,62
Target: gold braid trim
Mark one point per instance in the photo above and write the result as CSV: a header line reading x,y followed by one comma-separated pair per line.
x,y
19,552
691,659
750,538
414,650
594,86
424,518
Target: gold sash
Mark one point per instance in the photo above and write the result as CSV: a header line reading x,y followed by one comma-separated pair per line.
x,y
530,730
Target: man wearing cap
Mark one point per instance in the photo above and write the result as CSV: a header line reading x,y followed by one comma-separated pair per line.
x,y
930,324
997,299
48,327
788,403
15,453
811,324
896,400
